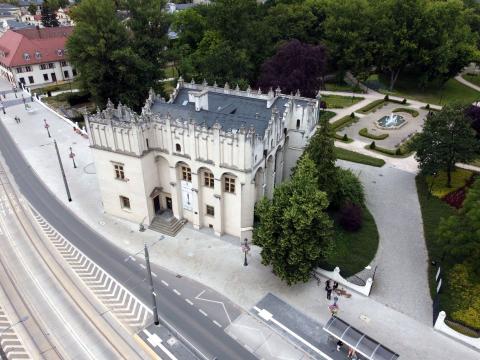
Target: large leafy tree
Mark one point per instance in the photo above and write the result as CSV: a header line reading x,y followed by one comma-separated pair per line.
x,y
49,16
447,138
99,49
295,66
294,231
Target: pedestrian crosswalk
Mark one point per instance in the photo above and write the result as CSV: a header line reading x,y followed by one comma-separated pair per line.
x,y
125,306
10,343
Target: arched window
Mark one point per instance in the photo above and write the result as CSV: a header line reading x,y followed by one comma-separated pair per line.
x,y
178,148
298,124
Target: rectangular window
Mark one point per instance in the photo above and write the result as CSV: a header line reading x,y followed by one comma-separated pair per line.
x,y
19,70
63,63
186,173
66,74
22,80
124,202
45,77
208,179
119,172
229,184
28,68
30,79
74,72
51,65
210,210
43,66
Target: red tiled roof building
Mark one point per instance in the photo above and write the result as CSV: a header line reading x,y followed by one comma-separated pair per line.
x,y
35,56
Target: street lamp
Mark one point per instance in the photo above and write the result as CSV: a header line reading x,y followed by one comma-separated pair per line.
x,y
22,319
46,127
72,156
245,249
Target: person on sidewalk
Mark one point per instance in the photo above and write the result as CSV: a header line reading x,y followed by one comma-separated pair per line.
x,y
335,285
351,353
339,345
328,289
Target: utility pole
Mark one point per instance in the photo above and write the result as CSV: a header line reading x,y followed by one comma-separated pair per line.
x,y
63,171
152,290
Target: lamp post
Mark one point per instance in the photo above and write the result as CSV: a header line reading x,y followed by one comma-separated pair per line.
x,y
62,170
245,249
72,156
46,127
22,319
152,289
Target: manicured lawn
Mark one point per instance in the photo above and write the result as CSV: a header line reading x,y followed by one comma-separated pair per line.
x,y
474,79
340,102
440,189
352,156
57,87
354,250
452,91
326,115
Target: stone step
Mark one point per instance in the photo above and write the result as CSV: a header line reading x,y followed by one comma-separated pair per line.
x,y
169,227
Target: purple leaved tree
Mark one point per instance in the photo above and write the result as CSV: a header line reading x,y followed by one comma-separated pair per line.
x,y
473,113
295,66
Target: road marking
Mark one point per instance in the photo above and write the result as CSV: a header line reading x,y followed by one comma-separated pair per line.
x,y
216,302
176,292
164,283
155,341
216,323
202,312
154,275
142,266
189,302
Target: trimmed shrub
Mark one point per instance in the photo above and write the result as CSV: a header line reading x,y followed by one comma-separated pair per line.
x,y
349,190
412,112
351,217
398,151
374,105
404,101
345,137
364,132
352,115
386,98
427,107
372,145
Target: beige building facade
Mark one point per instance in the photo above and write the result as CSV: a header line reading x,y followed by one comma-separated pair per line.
x,y
207,155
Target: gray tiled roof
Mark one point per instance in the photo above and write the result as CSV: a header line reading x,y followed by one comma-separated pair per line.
x,y
230,111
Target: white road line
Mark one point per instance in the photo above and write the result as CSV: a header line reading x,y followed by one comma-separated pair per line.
x,y
176,292
142,266
189,302
215,302
202,312
216,323
154,275
164,283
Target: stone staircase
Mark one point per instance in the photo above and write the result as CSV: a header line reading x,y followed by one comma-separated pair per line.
x,y
168,225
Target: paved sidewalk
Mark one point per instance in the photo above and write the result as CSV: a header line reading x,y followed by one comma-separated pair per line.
x,y
460,79
218,262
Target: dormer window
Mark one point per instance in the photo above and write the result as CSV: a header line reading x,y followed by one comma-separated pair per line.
x,y
38,55
26,56
60,52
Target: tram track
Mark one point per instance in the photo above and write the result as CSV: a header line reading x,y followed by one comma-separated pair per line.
x,y
48,347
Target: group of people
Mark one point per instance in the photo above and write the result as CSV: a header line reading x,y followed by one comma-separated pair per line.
x,y
329,288
351,352
17,120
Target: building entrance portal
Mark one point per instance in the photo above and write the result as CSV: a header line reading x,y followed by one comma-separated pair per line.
x,y
156,204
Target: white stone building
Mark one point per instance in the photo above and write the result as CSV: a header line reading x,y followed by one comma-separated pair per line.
x,y
206,156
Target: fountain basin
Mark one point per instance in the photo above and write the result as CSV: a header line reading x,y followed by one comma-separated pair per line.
x,y
390,122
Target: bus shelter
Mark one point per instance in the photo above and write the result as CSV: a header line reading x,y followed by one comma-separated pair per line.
x,y
358,341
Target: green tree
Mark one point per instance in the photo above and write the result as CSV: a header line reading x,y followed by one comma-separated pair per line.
x,y
447,138
32,9
49,16
148,25
321,149
348,189
294,231
99,48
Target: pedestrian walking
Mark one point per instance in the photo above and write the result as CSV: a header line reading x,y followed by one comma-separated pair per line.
x,y
339,345
351,353
16,119
328,289
335,285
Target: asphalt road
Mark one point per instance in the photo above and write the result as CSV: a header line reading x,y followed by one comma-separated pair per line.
x,y
201,332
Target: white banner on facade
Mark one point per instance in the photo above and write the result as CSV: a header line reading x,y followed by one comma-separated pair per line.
x,y
188,198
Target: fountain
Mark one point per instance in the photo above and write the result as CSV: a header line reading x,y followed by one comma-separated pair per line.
x,y
389,122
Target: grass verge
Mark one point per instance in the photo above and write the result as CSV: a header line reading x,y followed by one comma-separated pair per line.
x,y
473,78
340,102
347,155
354,250
364,132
